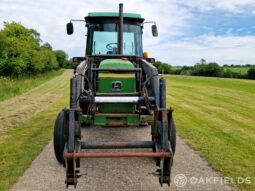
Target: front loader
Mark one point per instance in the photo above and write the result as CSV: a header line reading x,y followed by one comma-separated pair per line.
x,y
115,85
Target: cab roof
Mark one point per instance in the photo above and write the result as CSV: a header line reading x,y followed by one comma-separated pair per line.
x,y
99,16
114,14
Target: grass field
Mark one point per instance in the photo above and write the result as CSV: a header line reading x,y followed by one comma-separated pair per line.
x,y
216,117
10,87
34,114
241,70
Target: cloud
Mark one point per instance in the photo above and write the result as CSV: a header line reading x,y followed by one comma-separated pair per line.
x,y
234,6
220,49
177,42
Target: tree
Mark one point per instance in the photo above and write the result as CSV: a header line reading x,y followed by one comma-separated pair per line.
x,y
62,58
21,53
163,67
199,70
3,52
18,31
213,69
47,46
251,73
203,61
186,70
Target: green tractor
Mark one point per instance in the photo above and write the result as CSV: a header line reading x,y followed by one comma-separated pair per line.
x,y
115,84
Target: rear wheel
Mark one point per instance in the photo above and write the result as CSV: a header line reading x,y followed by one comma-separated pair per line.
x,y
58,137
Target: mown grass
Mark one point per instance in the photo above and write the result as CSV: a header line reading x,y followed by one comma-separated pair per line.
x,y
10,87
20,145
216,117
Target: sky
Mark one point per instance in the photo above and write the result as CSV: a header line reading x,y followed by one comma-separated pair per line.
x,y
221,31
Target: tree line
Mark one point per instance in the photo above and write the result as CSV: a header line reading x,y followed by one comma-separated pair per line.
x,y
210,69
164,68
22,52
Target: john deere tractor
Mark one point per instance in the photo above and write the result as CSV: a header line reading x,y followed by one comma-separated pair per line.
x,y
115,85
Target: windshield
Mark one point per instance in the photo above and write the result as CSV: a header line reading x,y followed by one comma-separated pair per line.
x,y
103,39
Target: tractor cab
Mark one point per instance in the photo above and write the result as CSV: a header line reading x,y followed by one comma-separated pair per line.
x,y
105,38
102,35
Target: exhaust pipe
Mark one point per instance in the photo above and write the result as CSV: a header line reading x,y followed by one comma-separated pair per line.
x,y
120,30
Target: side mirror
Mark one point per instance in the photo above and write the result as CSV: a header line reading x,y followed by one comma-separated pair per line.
x,y
154,30
69,28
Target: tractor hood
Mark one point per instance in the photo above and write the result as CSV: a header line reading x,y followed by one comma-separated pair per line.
x,y
116,63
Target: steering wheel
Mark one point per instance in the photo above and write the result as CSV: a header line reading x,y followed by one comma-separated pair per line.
x,y
110,46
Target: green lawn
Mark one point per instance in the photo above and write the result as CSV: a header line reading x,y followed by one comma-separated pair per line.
x,y
241,70
217,117
10,87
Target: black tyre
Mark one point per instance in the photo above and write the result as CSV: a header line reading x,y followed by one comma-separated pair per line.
x,y
58,137
172,135
168,163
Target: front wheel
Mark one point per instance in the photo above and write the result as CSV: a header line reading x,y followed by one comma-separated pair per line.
x,y
172,134
58,137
